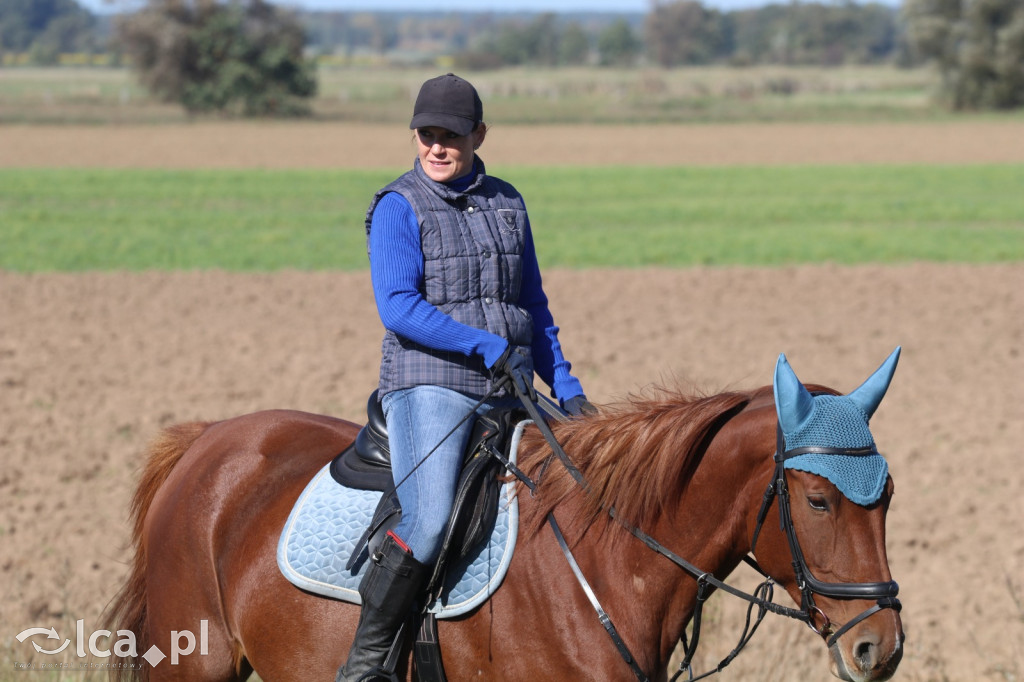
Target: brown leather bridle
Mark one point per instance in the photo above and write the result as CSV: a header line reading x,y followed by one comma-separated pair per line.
x,y
884,593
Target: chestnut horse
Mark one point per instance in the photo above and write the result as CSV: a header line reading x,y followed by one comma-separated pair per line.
x,y
689,471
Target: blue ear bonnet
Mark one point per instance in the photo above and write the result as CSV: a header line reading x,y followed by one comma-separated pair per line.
x,y
837,421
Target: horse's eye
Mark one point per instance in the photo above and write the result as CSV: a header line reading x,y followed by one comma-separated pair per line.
x,y
818,503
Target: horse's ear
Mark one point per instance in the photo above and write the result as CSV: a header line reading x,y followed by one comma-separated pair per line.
x,y
793,402
869,394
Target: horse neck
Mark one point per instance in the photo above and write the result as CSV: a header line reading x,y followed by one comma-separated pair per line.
x,y
716,509
711,526
706,524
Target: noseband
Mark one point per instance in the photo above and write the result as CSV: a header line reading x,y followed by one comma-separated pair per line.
x,y
883,592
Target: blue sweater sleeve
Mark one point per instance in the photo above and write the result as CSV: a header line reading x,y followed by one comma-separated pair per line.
x,y
548,360
396,270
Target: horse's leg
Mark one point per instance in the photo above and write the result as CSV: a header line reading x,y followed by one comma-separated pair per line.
x,y
283,632
291,635
183,596
287,634
210,537
196,637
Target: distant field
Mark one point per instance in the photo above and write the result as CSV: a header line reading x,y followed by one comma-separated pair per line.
x,y
263,220
774,180
514,96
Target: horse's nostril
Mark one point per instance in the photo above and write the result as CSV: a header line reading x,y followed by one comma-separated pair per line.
x,y
865,653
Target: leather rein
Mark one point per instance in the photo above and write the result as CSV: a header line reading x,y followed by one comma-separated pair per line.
x,y
883,592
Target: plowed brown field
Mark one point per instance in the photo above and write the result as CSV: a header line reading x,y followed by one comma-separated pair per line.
x,y
92,365
339,145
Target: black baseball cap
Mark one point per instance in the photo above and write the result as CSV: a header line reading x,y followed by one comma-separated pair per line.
x,y
449,102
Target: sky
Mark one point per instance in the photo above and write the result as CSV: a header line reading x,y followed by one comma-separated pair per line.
x,y
641,6
614,6
486,5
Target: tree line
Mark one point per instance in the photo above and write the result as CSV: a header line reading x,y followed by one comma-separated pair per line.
x,y
684,32
254,58
47,28
671,34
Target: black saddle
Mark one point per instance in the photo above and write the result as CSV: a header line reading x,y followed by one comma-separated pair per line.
x,y
366,464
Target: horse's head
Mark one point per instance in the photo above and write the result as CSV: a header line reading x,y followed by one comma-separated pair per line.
x,y
832,488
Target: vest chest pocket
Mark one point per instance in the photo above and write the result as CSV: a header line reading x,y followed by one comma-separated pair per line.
x,y
508,220
511,223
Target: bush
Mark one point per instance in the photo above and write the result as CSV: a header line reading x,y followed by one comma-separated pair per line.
x,y
978,47
242,58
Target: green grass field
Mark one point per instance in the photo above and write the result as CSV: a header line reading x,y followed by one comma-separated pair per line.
x,y
258,220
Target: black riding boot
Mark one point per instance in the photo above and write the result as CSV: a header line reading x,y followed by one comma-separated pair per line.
x,y
388,591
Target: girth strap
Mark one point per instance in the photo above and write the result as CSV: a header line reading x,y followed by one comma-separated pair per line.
x,y
427,652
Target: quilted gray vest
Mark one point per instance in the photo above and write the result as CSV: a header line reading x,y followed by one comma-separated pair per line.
x,y
472,246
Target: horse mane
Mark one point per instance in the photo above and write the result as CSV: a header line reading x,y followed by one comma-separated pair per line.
x,y
636,456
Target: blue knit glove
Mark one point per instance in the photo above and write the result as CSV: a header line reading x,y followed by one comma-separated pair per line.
x,y
579,406
514,364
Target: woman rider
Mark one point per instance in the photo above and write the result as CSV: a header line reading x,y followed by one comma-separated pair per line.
x,y
458,289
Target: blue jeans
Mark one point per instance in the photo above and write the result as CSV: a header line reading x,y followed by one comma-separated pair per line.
x,y
418,418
